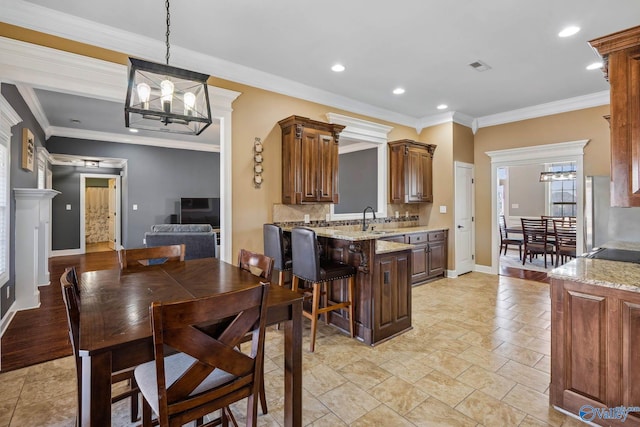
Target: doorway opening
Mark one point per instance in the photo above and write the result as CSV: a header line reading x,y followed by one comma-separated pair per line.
x,y
100,218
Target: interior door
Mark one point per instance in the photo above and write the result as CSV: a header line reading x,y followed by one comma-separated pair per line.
x,y
464,231
112,213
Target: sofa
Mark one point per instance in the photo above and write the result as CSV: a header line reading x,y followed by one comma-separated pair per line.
x,y
199,239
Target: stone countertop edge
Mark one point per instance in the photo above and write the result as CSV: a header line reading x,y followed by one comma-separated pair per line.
x,y
599,272
385,247
351,235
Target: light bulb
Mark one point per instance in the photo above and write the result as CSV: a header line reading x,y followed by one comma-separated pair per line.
x,y
144,92
166,90
189,103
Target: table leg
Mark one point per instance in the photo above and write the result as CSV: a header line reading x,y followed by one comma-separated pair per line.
x,y
293,367
96,390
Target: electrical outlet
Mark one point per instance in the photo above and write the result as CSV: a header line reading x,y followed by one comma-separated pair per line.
x,y
406,214
68,206
306,219
8,292
397,214
144,241
134,207
328,217
443,209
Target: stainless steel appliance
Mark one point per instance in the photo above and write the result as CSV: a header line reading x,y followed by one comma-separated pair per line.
x,y
604,223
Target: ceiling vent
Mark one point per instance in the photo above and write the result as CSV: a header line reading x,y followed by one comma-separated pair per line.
x,y
479,66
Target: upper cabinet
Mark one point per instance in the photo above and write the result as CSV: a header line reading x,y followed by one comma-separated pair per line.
x,y
309,161
621,54
410,171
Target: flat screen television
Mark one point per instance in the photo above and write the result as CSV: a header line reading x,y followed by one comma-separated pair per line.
x,y
200,210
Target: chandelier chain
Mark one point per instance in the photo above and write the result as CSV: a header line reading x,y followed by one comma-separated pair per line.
x,y
168,25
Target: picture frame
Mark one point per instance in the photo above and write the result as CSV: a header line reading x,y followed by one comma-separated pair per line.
x,y
28,150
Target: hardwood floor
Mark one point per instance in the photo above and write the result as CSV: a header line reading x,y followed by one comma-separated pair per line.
x,y
41,334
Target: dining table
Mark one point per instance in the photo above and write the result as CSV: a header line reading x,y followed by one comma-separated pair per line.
x,y
115,328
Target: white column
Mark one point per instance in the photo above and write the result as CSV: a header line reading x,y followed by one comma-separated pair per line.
x,y
33,219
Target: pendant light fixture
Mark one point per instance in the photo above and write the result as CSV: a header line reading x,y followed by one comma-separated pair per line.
x,y
164,98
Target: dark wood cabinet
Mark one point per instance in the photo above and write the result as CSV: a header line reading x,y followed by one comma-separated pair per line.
x,y
392,295
595,348
410,171
621,54
429,255
309,161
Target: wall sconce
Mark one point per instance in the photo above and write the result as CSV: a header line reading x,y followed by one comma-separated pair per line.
x,y
257,162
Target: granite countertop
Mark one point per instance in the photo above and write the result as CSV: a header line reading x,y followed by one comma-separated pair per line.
x,y
384,246
600,272
352,235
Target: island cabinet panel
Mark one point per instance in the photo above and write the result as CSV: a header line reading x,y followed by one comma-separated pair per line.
x,y
382,301
309,161
595,350
392,295
410,171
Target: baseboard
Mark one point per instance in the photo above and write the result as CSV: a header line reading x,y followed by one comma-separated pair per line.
x,y
484,269
66,252
4,324
451,274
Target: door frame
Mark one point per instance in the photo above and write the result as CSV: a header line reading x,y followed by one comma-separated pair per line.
x,y
547,153
471,166
118,222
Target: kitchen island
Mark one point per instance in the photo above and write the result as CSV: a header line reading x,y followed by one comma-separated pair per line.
x,y
595,350
382,300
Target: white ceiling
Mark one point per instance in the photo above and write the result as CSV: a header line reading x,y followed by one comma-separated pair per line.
x,y
424,46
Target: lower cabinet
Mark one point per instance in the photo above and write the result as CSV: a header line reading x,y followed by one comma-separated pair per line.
x,y
391,295
429,255
595,350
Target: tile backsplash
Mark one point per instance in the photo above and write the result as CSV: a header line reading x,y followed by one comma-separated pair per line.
x,y
293,215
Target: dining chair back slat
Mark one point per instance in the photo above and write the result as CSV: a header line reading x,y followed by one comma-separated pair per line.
x,y
144,256
565,239
536,239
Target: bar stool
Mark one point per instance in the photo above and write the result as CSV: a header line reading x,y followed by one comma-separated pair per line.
x,y
307,265
276,248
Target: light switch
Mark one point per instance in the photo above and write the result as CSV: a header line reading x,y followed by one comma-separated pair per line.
x,y
397,214
306,219
134,207
68,207
443,209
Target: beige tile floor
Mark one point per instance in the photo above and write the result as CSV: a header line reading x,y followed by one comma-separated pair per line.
x,y
478,355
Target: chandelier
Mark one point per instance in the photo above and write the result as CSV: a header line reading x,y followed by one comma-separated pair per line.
x,y
166,99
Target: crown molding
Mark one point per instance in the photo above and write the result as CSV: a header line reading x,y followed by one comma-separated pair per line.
x,y
72,160
363,130
8,114
125,139
30,97
538,152
547,109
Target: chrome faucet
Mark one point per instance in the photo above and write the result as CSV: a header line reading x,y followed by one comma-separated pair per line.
x,y
364,218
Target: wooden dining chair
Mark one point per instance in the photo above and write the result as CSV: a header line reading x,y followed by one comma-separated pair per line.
x,y
505,240
565,240
71,298
261,266
152,255
196,372
536,239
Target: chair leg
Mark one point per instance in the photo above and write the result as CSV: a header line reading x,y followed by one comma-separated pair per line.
x,y
294,283
263,395
351,291
281,278
135,409
519,251
146,414
314,315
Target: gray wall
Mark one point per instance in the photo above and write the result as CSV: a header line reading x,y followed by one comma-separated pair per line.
x,y
526,190
19,179
358,185
65,225
156,178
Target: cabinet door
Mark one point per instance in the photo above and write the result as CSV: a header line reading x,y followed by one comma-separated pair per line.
x,y
419,264
413,175
396,174
437,254
327,168
310,160
426,165
392,295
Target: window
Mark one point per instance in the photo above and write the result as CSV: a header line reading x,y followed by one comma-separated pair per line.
x,y
562,193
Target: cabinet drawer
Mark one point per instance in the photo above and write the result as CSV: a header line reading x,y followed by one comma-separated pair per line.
x,y
417,238
435,236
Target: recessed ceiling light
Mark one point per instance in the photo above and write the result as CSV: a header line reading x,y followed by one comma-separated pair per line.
x,y
442,107
594,66
398,91
338,68
569,31
133,130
